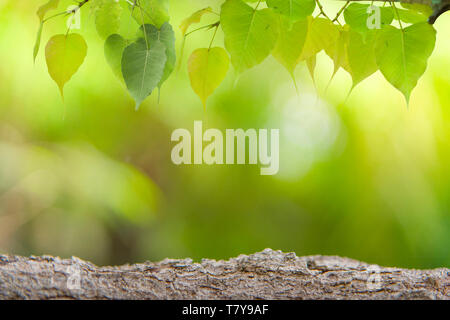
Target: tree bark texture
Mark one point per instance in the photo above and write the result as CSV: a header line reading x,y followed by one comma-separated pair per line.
x,y
266,275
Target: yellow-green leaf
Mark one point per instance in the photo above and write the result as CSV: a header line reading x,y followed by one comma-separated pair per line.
x,y
107,18
207,69
322,33
196,17
361,56
290,43
64,55
37,44
50,5
402,54
337,50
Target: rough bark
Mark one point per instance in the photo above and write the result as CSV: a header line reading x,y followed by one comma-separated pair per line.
x,y
266,275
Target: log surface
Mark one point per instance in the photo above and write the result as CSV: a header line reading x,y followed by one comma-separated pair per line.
x,y
266,275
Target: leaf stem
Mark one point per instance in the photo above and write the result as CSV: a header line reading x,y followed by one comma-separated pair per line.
x,y
74,11
214,35
397,14
54,16
340,11
143,25
204,27
257,5
322,12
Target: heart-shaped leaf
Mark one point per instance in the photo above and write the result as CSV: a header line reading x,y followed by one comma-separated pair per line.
x,y
207,69
361,56
290,43
143,67
64,55
250,34
402,54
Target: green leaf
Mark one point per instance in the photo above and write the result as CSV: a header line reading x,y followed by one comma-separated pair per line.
x,y
322,33
337,50
107,18
207,69
143,68
167,36
411,16
424,9
154,12
196,17
50,5
402,54
250,34
361,56
37,44
114,47
293,9
64,55
290,43
356,16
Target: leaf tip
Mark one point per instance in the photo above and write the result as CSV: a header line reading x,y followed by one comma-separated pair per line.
x,y
137,106
61,91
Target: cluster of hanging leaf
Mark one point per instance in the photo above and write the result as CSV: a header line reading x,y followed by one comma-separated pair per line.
x,y
285,29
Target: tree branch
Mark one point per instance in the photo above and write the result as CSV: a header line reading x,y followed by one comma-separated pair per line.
x,y
266,275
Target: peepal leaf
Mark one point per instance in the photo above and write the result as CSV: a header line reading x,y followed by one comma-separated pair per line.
x,y
207,69
143,67
37,44
107,18
114,47
42,11
357,16
196,17
402,54
50,5
418,8
322,33
337,50
361,56
64,55
167,37
411,16
293,9
290,43
250,34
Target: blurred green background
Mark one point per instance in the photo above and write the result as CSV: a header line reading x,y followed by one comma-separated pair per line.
x,y
365,177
